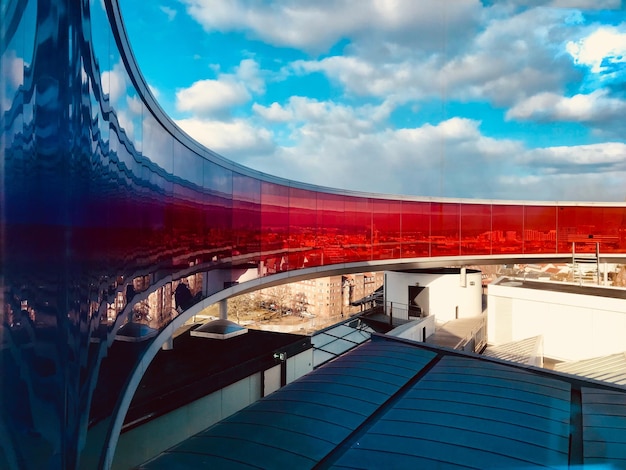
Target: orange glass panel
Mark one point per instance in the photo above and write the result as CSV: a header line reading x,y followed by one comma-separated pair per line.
x,y
330,229
387,235
540,229
476,233
445,229
357,242
507,222
303,248
415,222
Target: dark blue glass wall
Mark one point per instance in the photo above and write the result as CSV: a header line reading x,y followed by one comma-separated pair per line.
x,y
102,198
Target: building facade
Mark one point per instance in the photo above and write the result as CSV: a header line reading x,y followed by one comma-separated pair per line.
x,y
101,191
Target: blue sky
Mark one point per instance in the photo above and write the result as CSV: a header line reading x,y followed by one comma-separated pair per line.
x,y
507,99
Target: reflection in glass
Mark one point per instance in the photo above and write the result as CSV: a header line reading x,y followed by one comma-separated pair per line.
x,y
107,209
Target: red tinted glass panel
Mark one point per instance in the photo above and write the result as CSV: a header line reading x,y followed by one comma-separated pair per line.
x,y
540,229
357,241
188,223
386,229
246,215
218,193
303,229
415,219
330,229
507,229
445,229
274,226
587,226
476,233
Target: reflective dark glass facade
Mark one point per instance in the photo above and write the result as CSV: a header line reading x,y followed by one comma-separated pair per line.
x,y
106,206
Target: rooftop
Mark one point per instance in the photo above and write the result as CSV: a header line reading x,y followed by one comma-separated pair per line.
x,y
198,366
610,292
394,403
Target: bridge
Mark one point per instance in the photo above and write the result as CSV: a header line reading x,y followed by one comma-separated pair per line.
x,y
107,207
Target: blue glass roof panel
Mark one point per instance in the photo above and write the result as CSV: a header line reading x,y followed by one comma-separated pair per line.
x,y
432,453
214,444
307,419
333,432
463,414
185,461
604,427
366,394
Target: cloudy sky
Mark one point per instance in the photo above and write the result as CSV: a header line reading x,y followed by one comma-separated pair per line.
x,y
504,99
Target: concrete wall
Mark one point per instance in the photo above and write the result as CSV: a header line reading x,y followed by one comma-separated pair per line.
x,y
144,442
573,326
444,295
148,440
415,330
299,365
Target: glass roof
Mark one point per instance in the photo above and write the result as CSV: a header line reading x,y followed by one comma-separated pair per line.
x,y
336,340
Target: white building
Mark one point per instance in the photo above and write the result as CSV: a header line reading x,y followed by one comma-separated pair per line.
x,y
446,293
576,322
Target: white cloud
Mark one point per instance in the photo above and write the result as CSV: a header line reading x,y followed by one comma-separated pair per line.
x,y
595,107
125,120
206,97
249,73
406,51
607,156
169,12
517,55
587,4
114,82
216,96
135,105
273,113
606,45
332,145
569,4
231,138
13,69
315,26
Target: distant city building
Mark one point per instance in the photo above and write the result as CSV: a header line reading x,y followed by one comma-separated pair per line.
x,y
325,297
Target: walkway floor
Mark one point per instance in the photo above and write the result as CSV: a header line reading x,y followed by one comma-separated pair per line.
x,y
452,333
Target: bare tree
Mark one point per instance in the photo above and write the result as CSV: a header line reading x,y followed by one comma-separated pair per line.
x,y
300,302
240,305
281,296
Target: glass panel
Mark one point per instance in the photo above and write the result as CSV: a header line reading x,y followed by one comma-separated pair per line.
x,y
507,229
17,101
386,229
540,229
158,145
187,165
330,229
476,233
303,229
274,227
357,243
415,229
445,229
188,219
218,187
586,226
246,215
